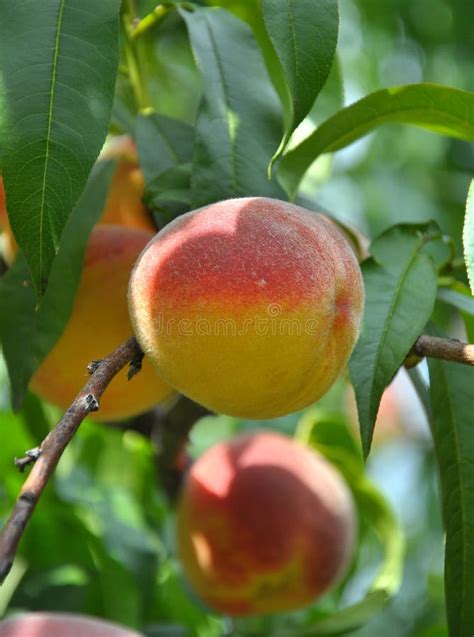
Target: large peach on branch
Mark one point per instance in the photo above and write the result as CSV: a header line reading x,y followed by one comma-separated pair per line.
x,y
264,525
249,306
98,323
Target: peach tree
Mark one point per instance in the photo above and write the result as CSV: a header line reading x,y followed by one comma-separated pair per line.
x,y
117,119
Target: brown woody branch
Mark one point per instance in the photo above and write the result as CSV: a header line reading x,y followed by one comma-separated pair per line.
x,y
445,348
170,436
46,457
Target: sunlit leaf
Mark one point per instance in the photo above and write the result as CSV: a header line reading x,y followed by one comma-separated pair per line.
x,y
468,236
304,36
437,108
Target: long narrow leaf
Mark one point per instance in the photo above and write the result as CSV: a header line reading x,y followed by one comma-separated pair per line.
x,y
441,109
239,123
58,65
400,285
304,36
452,425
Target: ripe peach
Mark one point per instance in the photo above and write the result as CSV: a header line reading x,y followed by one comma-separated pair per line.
x,y
249,306
123,207
264,524
98,323
61,625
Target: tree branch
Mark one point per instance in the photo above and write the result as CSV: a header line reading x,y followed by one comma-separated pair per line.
x,y
46,458
170,436
445,348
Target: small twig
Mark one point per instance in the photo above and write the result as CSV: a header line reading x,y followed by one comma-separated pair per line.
x,y
156,15
135,364
134,55
445,348
47,456
170,436
30,457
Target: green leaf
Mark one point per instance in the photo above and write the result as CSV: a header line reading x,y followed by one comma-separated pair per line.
x,y
452,395
169,194
163,143
434,631
113,577
325,429
421,389
238,124
469,327
328,433
400,286
59,62
437,108
251,12
459,297
468,236
34,417
27,335
304,36
13,582
351,618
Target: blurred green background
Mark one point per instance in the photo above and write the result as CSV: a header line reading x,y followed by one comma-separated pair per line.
x,y
101,541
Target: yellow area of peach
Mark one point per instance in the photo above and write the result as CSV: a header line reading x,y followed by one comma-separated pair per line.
x,y
264,592
232,361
